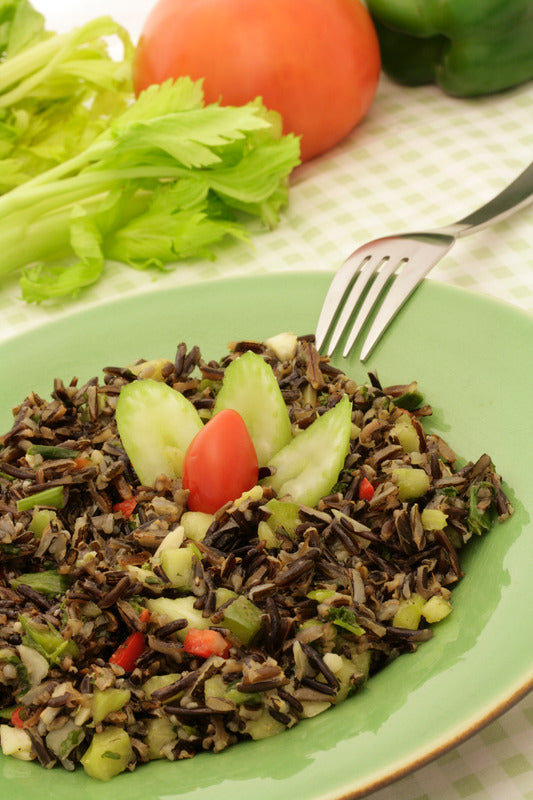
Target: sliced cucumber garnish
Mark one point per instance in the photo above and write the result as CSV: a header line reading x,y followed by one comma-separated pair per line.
x,y
250,388
156,425
309,466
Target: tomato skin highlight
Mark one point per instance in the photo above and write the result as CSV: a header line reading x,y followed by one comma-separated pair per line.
x,y
220,463
205,643
317,63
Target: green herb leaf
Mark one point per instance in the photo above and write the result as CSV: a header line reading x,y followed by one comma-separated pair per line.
x,y
48,582
111,754
51,451
344,617
481,507
47,641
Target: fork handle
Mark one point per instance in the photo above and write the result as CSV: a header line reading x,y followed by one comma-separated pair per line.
x,y
518,194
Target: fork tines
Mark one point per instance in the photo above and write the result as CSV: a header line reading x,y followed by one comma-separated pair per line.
x,y
398,262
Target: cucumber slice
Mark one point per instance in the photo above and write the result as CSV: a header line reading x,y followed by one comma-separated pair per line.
x,y
177,564
159,732
179,608
308,467
105,701
108,754
156,425
250,388
412,483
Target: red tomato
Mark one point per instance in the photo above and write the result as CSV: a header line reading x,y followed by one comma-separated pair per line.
x,y
205,643
129,651
366,490
16,719
317,62
220,463
126,507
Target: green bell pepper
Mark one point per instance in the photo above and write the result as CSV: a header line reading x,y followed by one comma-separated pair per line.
x,y
467,47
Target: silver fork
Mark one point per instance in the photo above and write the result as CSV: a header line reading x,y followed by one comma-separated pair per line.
x,y
401,261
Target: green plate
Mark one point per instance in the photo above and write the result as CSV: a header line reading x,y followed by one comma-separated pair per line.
x,y
473,359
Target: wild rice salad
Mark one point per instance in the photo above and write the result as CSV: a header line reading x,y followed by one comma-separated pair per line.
x,y
311,601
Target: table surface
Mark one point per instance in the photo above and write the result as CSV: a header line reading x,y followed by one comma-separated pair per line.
x,y
419,160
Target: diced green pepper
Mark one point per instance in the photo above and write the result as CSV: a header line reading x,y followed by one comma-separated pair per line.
x,y
241,617
179,608
283,514
159,682
406,434
321,594
436,608
409,612
268,536
239,698
433,519
196,524
41,518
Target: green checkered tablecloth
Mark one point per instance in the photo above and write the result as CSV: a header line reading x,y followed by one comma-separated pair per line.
x,y
420,159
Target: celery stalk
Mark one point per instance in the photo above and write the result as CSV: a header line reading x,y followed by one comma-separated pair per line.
x,y
58,92
162,182
48,497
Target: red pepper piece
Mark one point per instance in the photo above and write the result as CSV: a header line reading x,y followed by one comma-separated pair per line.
x,y
81,461
126,507
145,615
366,490
205,643
127,654
15,718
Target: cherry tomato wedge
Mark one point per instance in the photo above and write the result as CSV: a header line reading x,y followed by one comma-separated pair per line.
x,y
366,490
205,643
220,463
126,507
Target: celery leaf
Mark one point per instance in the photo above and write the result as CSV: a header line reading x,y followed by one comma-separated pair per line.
x,y
166,180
